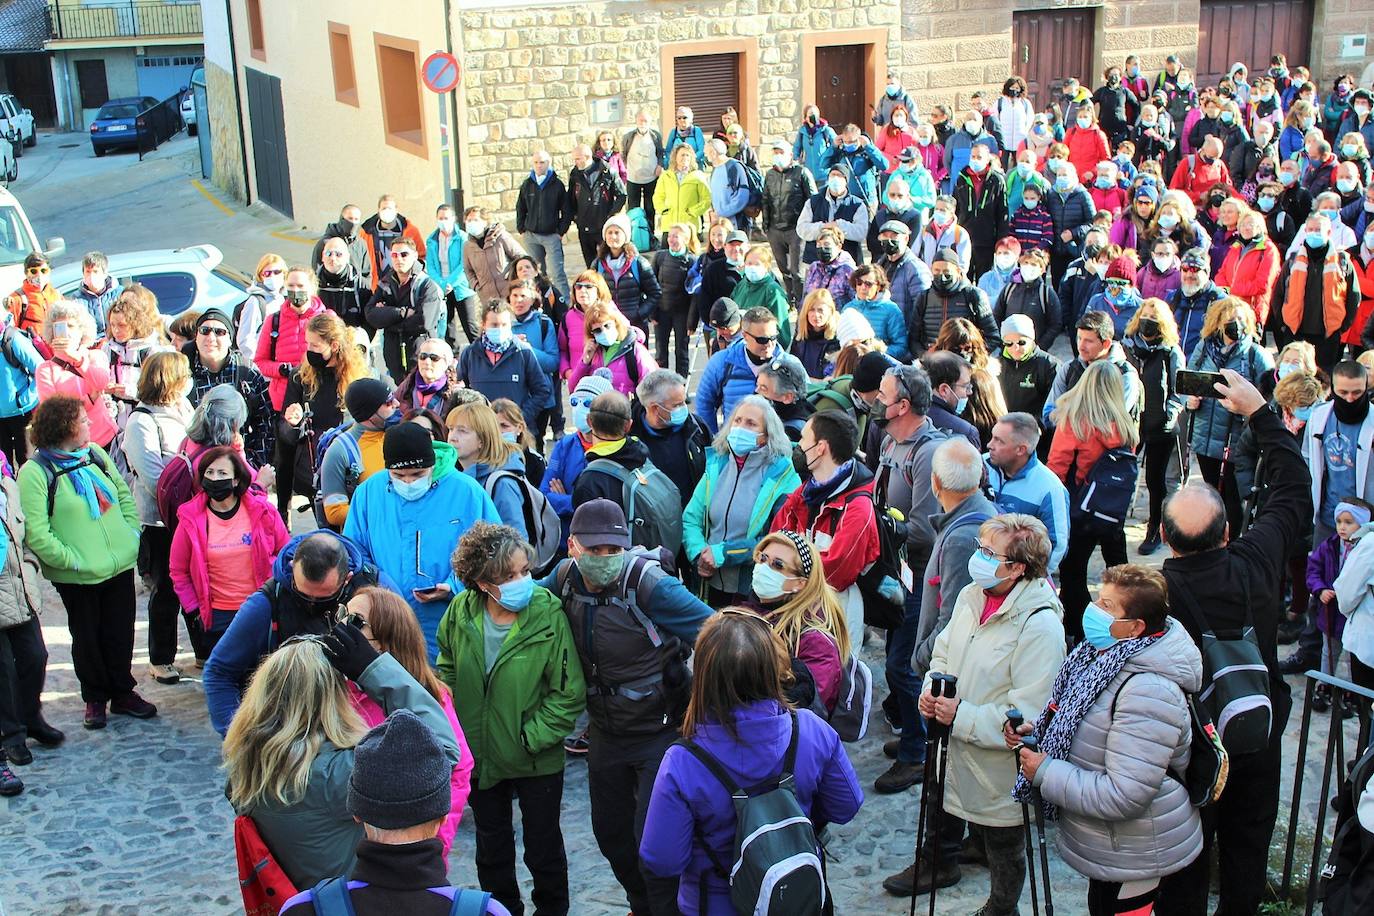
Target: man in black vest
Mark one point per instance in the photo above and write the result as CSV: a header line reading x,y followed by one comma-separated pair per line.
x,y
633,623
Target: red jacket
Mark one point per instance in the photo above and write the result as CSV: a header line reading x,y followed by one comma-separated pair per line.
x,y
1068,451
188,565
1252,273
282,343
1195,177
846,524
1366,274
1086,149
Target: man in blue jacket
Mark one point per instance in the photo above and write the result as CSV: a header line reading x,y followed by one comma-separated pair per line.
x,y
500,366
312,577
907,275
866,163
1021,483
685,132
408,520
729,184
733,372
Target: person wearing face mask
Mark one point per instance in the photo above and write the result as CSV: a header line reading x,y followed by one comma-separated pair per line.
x,y
1356,118
1254,160
721,271
944,233
1119,298
951,295
133,332
1358,213
832,267
408,307
1336,105
487,253
281,344
896,135
1071,210
355,453
407,520
759,287
783,383
1198,173
951,386
814,139
497,464
342,289
633,623
1030,295
594,193
508,657
907,198
1002,269
908,276
348,227
444,265
1031,224
501,366
1251,266
1107,191
662,420
1318,166
1360,335
1014,112
1279,225
672,264
1112,100
264,298
1319,306
1088,144
893,97
1194,297
1159,276
980,204
1152,134
1151,343
1349,182
1209,124
381,230
568,457
226,543
1024,174
960,145
872,299
836,206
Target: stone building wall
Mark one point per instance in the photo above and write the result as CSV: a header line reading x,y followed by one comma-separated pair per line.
x,y
227,170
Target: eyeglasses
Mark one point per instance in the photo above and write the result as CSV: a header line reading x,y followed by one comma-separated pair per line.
x,y
1190,269
865,284
579,401
761,338
35,271
402,255
273,272
208,331
777,564
1002,558
1019,343
430,357
584,286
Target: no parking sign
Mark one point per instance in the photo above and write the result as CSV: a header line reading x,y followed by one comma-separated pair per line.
x,y
441,72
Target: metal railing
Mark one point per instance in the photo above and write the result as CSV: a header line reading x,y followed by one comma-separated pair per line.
x,y
123,19
157,124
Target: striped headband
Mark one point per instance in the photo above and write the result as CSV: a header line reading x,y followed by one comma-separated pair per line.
x,y
803,549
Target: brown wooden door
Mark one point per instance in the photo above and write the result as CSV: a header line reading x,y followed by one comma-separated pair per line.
x,y
29,77
840,91
708,84
1048,47
1251,31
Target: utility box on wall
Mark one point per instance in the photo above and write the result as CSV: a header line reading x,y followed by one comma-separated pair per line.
x,y
1353,45
609,110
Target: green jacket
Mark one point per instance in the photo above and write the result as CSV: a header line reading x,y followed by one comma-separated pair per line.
x,y
768,293
515,719
72,547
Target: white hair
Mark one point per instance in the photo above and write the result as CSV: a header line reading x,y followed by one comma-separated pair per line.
x,y
957,465
655,386
777,445
717,146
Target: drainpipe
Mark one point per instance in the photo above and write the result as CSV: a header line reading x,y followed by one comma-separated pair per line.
x,y
455,193
238,100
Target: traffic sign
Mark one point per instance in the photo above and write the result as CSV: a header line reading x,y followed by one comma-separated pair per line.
x,y
441,72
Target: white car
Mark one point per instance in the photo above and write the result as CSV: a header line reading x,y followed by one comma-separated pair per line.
x,y
9,167
16,123
181,278
17,241
188,112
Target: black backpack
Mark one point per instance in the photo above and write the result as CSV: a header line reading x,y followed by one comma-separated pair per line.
x,y
1346,887
880,611
1100,504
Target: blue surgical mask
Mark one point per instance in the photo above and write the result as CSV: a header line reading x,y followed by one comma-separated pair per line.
x,y
1168,220
768,582
1085,123
850,147
1063,184
411,490
1332,216
510,436
1304,413
604,337
1286,369
742,441
1266,203
499,337
1104,183
1024,169
836,185
1315,240
516,594
959,408
978,165
1287,179
755,272
1053,164
579,418
1097,627
678,415
1349,150
982,569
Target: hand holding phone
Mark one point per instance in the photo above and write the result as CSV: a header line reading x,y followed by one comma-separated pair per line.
x,y
1198,384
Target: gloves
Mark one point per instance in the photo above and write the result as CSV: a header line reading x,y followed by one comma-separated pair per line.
x,y
892,590
348,650
285,369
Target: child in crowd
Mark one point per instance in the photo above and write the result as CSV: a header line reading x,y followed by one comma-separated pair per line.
x,y
1323,566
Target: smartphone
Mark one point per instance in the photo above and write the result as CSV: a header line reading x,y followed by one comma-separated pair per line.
x,y
59,329
1198,384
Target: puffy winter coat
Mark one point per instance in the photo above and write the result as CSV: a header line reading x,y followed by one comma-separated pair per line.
x,y
785,193
190,564
810,147
623,378
485,261
1087,147
888,324
1251,272
908,277
281,346
634,288
1122,815
934,308
1214,427
19,360
456,280
685,201
1037,301
1072,210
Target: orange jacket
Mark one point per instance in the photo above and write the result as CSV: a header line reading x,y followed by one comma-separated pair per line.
x,y
30,306
407,229
1252,273
1069,453
1195,177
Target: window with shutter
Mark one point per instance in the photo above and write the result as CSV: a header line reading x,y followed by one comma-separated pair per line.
x,y
708,84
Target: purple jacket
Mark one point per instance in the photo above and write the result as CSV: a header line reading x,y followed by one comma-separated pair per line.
x,y
1323,566
688,800
1155,285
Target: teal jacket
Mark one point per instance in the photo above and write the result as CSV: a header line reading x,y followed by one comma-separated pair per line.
x,y
779,480
72,547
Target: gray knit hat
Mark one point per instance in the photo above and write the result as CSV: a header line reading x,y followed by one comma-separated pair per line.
x,y
401,776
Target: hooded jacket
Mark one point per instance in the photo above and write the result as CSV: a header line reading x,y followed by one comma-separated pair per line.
x,y
866,164
593,195
844,525
767,293
542,337
634,289
507,495
456,280
189,565
982,210
281,347
908,277
542,209
516,717
1036,300
345,294
1070,210
1191,311
1252,273
19,361
485,261
359,252
686,200
515,375
1123,815
86,381
811,145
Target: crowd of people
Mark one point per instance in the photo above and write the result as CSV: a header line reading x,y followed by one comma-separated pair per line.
x,y
534,541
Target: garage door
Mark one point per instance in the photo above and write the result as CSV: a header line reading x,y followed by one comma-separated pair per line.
x,y
165,76
1251,31
707,84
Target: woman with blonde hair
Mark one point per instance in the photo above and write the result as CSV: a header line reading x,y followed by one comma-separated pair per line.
x,y
760,286
1296,356
266,294
76,368
611,341
817,342
389,624
475,435
589,289
1227,342
802,608
1090,419
288,755
515,431
1152,345
133,331
672,263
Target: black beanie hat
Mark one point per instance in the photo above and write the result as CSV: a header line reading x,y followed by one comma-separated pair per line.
x,y
365,397
401,776
407,445
215,313
868,374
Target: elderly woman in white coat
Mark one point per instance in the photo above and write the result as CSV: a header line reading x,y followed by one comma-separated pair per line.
x,y
1119,735
1005,643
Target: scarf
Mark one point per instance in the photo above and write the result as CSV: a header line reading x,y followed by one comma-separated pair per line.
x,y
1333,291
1081,679
540,181
486,345
424,390
815,492
95,489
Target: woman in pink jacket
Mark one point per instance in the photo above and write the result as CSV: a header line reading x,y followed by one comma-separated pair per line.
x,y
281,343
612,342
588,289
77,370
391,626
228,536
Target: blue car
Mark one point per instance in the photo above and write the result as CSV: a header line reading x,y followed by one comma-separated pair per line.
x,y
118,124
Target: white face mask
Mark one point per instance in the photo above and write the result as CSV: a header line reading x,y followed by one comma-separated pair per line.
x,y
387,216
475,227
1162,263
1004,260
1030,273
446,225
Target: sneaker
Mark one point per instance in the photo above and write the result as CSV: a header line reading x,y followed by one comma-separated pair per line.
x,y
95,715
899,777
894,723
906,884
131,704
45,735
987,910
10,785
165,674
1150,544
577,747
18,754
1296,664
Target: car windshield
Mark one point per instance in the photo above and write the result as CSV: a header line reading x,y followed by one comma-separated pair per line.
x,y
232,277
117,111
15,241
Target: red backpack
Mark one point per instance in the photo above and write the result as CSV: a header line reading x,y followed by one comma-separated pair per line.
x,y
262,881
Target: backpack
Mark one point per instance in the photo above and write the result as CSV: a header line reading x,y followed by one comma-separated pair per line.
x,y
173,488
262,881
832,394
777,867
853,701
331,897
1102,501
353,458
1208,764
753,179
53,473
1235,682
1346,887
544,528
693,283
652,503
880,611
640,235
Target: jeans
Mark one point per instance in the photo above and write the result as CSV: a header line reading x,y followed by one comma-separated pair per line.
x,y
547,251
905,686
23,666
787,250
100,618
162,600
1073,572
620,779
541,797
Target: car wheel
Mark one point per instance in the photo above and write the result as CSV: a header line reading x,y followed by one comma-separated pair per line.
x,y
18,149
14,172
33,139
190,130
99,151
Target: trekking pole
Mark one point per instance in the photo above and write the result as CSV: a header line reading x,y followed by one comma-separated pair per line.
x,y
927,779
1032,743
1016,720
949,683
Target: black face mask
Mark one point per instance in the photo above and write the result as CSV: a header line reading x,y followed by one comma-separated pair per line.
x,y
348,226
890,246
1149,329
812,120
219,489
317,361
1217,200
943,283
317,608
1347,412
799,462
1232,329
826,254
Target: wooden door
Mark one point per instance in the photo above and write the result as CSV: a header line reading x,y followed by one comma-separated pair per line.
x,y
1050,46
270,164
841,93
29,77
1251,31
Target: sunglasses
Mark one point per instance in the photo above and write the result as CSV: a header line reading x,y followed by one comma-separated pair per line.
x,y
777,564
865,284
207,331
402,255
273,272
1118,283
1018,343
430,357
1190,269
761,338
584,286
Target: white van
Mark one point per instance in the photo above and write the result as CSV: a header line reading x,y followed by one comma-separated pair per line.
x,y
17,242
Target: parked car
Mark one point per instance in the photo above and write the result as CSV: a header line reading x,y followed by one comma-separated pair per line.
x,y
16,123
181,278
9,166
188,111
135,121
17,241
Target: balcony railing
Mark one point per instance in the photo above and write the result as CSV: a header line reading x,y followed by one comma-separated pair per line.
x,y
123,19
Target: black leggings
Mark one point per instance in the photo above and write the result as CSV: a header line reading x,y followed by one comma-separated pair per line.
x,y
1104,899
676,323
14,439
1224,481
1158,455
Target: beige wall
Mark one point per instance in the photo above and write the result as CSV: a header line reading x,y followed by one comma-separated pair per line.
x,y
1334,19
224,135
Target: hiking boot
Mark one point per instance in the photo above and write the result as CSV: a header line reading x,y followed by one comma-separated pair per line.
x,y
1297,663
165,674
1289,630
131,704
987,910
906,884
577,747
1150,544
45,735
973,853
95,715
890,748
899,777
18,754
10,785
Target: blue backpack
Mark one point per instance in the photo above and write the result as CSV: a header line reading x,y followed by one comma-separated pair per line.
x,y
641,236
331,898
754,180
1103,500
354,458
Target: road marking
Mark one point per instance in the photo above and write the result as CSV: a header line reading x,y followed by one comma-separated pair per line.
x,y
292,237
195,183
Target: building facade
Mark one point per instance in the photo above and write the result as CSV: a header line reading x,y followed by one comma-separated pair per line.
x,y
313,102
